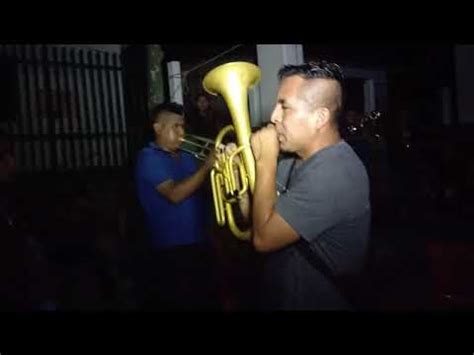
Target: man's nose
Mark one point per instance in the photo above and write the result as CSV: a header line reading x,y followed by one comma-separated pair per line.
x,y
275,116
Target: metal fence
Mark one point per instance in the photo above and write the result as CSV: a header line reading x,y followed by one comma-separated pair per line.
x,y
66,107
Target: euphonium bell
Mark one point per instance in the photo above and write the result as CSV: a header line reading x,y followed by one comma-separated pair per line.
x,y
232,81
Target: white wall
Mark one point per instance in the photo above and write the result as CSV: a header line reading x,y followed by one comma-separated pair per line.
x,y
464,74
271,57
375,87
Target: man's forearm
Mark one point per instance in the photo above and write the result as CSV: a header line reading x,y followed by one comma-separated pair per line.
x,y
264,197
185,188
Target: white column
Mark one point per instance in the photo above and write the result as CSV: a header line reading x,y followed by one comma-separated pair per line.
x,y
375,87
464,57
271,57
174,79
254,106
292,54
369,96
445,96
156,94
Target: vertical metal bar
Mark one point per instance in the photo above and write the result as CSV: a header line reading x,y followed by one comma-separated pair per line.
x,y
81,114
120,116
59,115
102,120
49,108
68,66
19,107
87,116
29,104
94,116
39,109
114,145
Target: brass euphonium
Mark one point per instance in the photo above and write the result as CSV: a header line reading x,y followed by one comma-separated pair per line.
x,y
232,81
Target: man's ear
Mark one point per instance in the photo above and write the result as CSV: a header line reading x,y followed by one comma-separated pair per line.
x,y
322,115
157,127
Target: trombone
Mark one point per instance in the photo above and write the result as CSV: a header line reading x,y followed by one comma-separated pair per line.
x,y
198,146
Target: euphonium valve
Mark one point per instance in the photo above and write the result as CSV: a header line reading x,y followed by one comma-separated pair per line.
x,y
232,81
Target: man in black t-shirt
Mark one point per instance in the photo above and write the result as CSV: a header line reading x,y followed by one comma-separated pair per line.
x,y
311,210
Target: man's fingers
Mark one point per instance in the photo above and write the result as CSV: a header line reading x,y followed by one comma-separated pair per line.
x,y
230,148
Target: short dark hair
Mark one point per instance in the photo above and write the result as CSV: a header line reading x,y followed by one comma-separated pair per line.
x,y
317,70
171,107
202,94
313,70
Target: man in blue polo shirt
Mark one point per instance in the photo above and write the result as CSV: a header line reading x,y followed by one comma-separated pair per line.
x,y
169,185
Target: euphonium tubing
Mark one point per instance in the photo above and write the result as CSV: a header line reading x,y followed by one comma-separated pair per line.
x,y
232,81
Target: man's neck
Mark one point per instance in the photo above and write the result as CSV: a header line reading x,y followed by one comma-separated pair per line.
x,y
325,140
173,153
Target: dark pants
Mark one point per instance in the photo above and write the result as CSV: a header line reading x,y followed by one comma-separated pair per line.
x,y
180,278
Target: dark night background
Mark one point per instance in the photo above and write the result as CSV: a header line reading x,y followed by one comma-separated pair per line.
x,y
90,227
